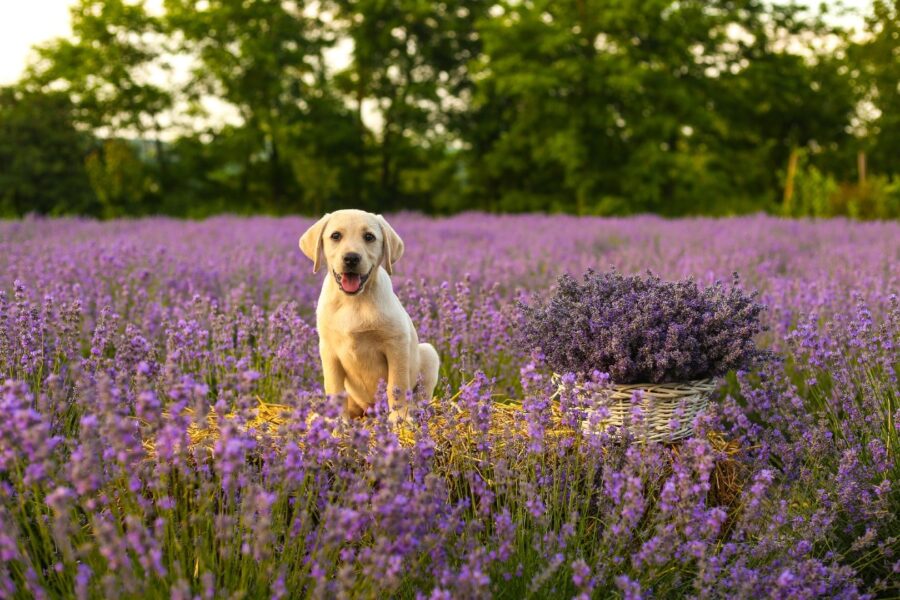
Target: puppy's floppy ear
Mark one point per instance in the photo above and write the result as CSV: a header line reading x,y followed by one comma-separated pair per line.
x,y
311,242
393,245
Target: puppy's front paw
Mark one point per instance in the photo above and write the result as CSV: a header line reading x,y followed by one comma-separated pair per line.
x,y
400,415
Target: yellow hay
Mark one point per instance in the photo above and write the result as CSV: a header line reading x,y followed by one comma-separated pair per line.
x,y
507,422
507,427
269,417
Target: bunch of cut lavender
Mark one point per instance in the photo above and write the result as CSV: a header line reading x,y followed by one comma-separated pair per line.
x,y
643,329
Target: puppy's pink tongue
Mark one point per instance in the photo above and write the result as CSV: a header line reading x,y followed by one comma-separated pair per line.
x,y
350,282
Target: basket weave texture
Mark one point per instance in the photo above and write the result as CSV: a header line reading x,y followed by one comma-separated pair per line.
x,y
667,410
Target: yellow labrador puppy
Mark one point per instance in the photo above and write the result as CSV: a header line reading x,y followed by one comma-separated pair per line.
x,y
365,335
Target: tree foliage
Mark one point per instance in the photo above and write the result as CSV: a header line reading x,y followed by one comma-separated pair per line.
x,y
41,156
587,106
877,60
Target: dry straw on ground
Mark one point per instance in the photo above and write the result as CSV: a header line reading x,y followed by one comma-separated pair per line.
x,y
508,434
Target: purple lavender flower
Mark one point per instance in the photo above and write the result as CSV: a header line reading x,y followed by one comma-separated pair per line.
x,y
120,340
644,330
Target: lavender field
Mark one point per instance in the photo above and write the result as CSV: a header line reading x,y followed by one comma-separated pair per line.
x,y
119,340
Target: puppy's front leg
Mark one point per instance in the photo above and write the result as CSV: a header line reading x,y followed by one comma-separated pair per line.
x,y
335,376
398,380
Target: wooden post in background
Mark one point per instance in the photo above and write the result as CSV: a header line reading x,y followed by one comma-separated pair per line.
x,y
861,167
787,203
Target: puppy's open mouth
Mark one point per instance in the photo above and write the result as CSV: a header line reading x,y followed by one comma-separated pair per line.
x,y
351,283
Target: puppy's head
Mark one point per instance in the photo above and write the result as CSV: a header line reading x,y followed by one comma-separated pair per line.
x,y
352,243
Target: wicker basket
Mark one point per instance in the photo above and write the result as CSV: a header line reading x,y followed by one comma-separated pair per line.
x,y
660,403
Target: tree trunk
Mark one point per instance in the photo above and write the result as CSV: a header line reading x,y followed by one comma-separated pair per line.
x,y
161,161
586,137
275,180
384,190
244,186
788,201
385,171
861,167
360,191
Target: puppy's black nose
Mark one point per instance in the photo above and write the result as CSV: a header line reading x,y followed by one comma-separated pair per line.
x,y
351,259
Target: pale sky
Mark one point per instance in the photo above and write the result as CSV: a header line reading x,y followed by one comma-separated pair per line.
x,y
24,23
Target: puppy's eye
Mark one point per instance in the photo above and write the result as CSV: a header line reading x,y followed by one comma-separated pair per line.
x,y
336,236
369,237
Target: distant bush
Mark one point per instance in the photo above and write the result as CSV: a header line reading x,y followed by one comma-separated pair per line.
x,y
814,194
877,198
119,178
818,194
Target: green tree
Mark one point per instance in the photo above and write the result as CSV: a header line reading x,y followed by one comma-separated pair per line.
x,y
660,106
410,62
789,97
877,62
118,178
590,106
593,103
265,58
41,156
105,69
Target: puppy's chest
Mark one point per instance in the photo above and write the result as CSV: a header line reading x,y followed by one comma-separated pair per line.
x,y
355,332
361,346
350,322
360,334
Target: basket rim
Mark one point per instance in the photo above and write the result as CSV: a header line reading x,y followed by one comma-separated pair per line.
x,y
710,382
